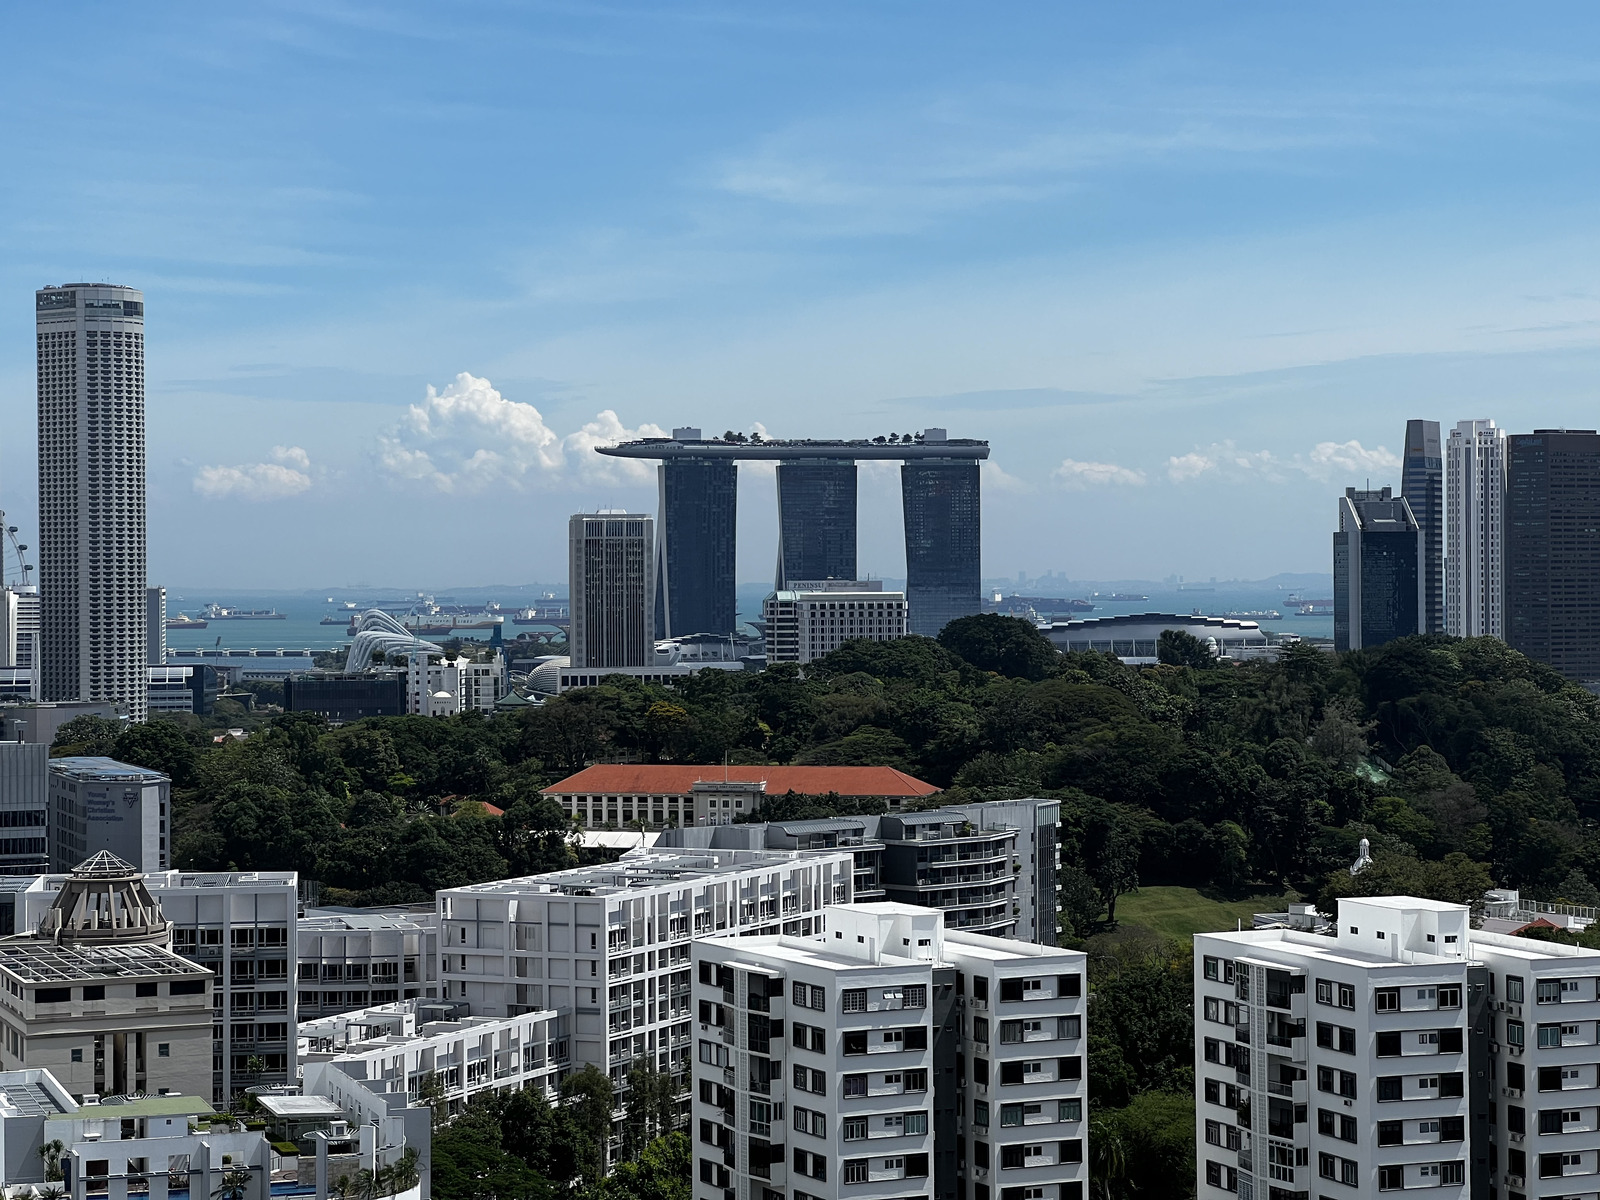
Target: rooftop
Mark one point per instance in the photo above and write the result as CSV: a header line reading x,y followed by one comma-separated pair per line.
x,y
679,779
36,960
1327,949
138,1105
653,868
100,767
849,449
299,1106
1107,624
29,1099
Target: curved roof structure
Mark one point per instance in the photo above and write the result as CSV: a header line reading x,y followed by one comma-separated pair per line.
x,y
378,635
104,901
800,448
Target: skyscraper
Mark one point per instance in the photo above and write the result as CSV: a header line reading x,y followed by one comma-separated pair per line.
x,y
92,494
695,553
1475,496
612,584
1378,587
155,621
816,520
1422,485
944,539
1552,549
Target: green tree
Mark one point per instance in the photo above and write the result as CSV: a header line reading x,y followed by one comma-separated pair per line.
x,y
1179,648
161,746
662,1170
652,1109
89,734
51,1153
589,1093
234,1185
1008,646
1156,1135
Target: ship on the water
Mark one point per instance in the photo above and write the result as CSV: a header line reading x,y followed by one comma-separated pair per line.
x,y
181,621
540,616
1253,614
433,626
221,612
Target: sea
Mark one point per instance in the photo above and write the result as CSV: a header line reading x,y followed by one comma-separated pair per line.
x,y
303,611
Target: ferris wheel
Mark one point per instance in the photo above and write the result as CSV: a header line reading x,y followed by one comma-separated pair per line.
x,y
15,571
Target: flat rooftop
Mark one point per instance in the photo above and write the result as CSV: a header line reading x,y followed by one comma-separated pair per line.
x,y
29,1100
1319,948
92,767
850,449
317,921
653,868
37,960
300,1106
113,1107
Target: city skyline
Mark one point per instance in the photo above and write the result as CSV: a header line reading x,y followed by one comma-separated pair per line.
x,y
1227,277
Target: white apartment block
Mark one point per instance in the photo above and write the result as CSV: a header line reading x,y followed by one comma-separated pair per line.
x,y
888,1058
1475,499
242,926
610,944
1338,1067
808,620
438,686
394,1048
351,960
1544,1042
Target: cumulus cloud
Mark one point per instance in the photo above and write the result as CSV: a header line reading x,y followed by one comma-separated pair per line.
x,y
287,476
1224,460
470,438
1349,460
1079,476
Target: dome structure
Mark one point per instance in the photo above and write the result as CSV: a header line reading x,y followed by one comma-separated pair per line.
x,y
104,901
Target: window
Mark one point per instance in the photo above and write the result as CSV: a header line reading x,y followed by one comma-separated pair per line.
x,y
1450,997
163,1050
1547,991
1336,1037
855,1042
1514,1033
1347,996
1452,1172
916,1081
146,989
1514,989
853,1000
1325,991
853,1129
77,1056
1212,968
1390,1178
852,1085
1070,1110
1336,1125
1386,999
1389,1044
855,1170
1391,1133
1550,1035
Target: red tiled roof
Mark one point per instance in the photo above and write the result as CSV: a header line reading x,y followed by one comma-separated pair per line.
x,y
676,779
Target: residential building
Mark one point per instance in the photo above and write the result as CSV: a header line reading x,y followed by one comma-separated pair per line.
x,y
1552,548
440,686
241,926
816,521
404,1042
96,996
1135,638
191,688
920,1062
609,945
1379,587
663,794
1475,493
97,803
343,698
351,959
155,623
1340,1065
1422,485
611,574
90,348
816,617
24,807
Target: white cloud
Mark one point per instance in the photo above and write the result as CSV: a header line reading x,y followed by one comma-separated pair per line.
x,y
1224,460
1078,476
288,476
470,438
1349,461
998,478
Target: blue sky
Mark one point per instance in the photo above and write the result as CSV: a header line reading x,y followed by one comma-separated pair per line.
x,y
1189,268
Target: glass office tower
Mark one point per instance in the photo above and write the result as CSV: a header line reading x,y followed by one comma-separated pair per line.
x,y
1422,485
695,548
943,541
816,521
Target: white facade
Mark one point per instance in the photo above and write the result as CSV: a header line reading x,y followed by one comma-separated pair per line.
x,y
351,960
810,620
19,636
1336,1066
241,925
888,1058
92,494
1475,498
438,686
610,944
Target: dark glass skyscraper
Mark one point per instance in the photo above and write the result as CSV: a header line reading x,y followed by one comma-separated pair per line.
x,y
816,520
1422,485
943,542
1378,588
1552,549
611,581
695,546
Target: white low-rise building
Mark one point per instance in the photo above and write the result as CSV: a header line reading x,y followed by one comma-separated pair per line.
x,y
811,619
351,959
440,686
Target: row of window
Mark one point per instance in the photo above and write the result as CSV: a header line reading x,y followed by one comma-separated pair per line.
x,y
1391,1178
1388,999
1391,1043
1392,1133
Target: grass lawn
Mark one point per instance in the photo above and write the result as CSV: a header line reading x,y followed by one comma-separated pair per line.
x,y
1181,912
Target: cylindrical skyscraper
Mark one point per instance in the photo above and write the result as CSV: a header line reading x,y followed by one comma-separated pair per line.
x,y
92,495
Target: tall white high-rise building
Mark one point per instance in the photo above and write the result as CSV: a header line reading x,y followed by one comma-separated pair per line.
x,y
1475,500
92,495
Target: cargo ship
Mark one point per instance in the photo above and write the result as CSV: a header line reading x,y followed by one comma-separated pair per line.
x,y
221,612
182,621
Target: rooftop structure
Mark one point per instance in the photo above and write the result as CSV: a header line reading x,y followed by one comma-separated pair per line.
x,y
1135,637
817,520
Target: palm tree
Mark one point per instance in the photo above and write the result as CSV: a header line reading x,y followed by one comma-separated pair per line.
x,y
1108,1158
51,1152
235,1185
403,1174
50,1191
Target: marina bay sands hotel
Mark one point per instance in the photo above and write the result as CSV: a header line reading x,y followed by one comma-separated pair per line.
x,y
816,521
